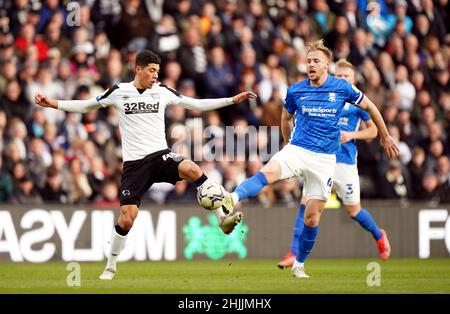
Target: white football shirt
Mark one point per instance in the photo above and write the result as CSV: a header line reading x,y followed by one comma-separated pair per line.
x,y
141,116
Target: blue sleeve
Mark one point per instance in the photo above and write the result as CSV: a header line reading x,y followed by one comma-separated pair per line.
x,y
364,115
289,102
354,95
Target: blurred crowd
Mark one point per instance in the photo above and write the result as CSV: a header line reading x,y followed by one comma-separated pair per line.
x,y
212,49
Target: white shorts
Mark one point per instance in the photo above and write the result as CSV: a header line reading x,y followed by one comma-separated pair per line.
x,y
316,169
346,183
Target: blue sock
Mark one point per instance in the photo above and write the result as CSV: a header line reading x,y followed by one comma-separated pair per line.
x,y
306,242
251,186
298,228
366,221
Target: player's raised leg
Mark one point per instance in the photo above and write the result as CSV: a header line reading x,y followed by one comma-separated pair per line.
x,y
128,214
252,186
365,219
189,170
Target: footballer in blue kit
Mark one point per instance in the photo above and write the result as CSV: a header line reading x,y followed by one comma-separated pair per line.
x,y
346,177
310,128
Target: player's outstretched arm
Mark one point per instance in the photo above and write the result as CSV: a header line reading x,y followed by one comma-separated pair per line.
x,y
368,133
214,103
81,106
44,101
388,143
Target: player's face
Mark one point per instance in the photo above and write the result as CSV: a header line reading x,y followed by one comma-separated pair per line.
x,y
316,64
148,75
346,73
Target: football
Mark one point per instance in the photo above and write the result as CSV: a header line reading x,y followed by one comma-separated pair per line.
x,y
210,195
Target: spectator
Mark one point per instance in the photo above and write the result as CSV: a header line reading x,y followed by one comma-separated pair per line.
x,y
441,82
416,168
134,24
374,89
8,72
220,81
321,19
263,36
28,39
192,55
183,192
53,190
38,160
355,18
26,193
387,69
275,81
54,39
289,192
17,134
359,48
443,174
96,176
80,190
429,188
45,82
50,8
166,40
172,74
437,26
340,30
394,183
408,132
405,89
13,102
6,186
405,153
232,177
400,14
109,196
443,169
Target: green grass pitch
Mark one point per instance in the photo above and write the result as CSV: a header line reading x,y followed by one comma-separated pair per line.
x,y
231,277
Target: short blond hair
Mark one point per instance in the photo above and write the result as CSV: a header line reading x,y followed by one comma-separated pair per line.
x,y
342,63
319,46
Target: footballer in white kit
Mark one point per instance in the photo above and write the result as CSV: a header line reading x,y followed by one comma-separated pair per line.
x,y
147,158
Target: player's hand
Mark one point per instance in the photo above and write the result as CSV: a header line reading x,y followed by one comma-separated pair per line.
x,y
44,101
390,147
346,136
243,96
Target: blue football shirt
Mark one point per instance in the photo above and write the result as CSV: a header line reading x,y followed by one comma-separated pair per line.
x,y
350,120
317,111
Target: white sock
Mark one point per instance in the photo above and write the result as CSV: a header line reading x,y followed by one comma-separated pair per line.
x,y
297,263
220,214
117,244
235,198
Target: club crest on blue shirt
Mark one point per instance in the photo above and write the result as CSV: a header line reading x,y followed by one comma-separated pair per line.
x,y
332,97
